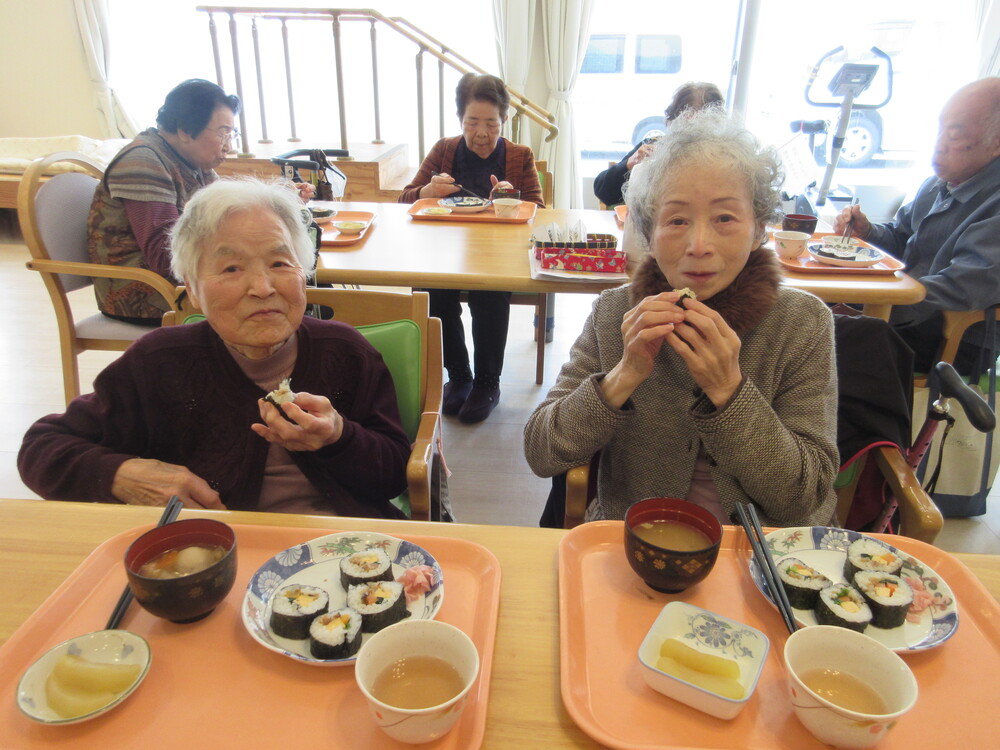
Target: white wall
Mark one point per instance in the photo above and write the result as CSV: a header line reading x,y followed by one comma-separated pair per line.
x,y
44,88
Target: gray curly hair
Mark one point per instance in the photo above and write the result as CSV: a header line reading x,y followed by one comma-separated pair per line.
x,y
709,135
213,204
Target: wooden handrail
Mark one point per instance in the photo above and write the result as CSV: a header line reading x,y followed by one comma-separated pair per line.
x,y
426,44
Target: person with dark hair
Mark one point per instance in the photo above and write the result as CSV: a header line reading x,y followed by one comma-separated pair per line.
x,y
145,188
692,96
949,234
479,161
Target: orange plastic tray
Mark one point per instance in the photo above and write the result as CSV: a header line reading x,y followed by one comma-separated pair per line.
x,y
525,213
332,237
805,264
212,685
605,611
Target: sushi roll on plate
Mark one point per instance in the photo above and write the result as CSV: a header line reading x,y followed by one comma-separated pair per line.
x,y
335,635
870,554
889,597
372,564
801,583
294,608
842,605
380,604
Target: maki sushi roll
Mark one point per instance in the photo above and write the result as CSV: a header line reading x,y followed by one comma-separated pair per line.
x,y
293,608
870,554
335,635
380,604
801,583
365,567
283,394
889,597
686,294
842,605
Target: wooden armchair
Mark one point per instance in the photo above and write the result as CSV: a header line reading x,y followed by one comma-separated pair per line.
x,y
53,217
956,322
919,517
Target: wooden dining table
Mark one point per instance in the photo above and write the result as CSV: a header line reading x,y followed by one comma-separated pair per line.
x,y
43,542
399,250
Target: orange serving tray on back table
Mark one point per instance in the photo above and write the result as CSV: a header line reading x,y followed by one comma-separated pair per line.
x,y
333,237
525,213
212,685
605,611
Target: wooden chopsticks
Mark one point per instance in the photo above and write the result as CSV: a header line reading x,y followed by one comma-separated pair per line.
x,y
169,515
750,522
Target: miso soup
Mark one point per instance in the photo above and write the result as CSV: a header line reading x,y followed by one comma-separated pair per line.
x,y
672,535
182,561
417,682
846,690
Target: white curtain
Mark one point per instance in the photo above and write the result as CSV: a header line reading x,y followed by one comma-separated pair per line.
x,y
92,18
565,28
988,23
514,23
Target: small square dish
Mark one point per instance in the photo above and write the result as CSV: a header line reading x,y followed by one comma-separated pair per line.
x,y
702,659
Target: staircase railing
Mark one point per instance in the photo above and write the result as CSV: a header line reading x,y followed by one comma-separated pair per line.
x,y
523,107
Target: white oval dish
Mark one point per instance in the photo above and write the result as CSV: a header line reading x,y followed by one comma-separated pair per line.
x,y
860,256
464,204
317,563
934,612
102,646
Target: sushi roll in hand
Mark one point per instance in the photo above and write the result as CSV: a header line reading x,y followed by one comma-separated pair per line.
x,y
283,394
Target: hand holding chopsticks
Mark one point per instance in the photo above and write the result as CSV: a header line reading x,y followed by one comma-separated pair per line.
x,y
751,525
849,227
169,515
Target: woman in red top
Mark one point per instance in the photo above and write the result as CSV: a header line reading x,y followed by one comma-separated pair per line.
x,y
479,160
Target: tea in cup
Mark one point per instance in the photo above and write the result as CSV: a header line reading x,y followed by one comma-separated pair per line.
x,y
847,689
506,208
790,245
416,676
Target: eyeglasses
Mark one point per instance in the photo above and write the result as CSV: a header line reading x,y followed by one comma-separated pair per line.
x,y
226,133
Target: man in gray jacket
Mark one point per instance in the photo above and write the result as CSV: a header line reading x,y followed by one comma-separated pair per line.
x,y
949,236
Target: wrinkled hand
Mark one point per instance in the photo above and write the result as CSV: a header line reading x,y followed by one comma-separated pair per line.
x,y
644,150
146,481
710,349
317,423
441,186
644,329
306,191
861,226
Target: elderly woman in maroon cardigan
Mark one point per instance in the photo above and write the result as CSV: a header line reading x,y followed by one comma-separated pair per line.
x,y
182,412
479,160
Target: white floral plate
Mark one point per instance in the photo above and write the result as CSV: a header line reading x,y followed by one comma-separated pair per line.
x,y
933,617
464,204
317,563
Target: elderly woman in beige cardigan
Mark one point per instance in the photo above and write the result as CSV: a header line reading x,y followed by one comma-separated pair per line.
x,y
726,397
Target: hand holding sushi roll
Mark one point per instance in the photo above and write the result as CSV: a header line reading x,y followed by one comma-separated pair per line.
x,y
311,423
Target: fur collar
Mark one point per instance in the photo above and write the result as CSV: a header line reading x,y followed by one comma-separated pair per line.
x,y
743,304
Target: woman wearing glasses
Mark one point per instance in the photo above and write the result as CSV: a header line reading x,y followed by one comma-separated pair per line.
x,y
479,160
145,188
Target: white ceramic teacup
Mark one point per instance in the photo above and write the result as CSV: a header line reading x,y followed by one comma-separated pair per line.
x,y
790,245
417,638
827,647
506,208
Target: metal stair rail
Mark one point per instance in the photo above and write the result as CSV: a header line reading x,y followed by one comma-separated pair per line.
x,y
427,45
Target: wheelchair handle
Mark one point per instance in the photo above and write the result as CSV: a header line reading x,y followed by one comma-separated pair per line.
x,y
980,414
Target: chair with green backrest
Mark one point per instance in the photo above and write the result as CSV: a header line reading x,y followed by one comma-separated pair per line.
x,y
398,325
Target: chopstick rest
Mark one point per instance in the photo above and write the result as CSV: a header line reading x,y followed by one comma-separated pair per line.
x,y
169,515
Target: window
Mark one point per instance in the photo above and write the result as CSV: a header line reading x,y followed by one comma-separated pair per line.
x,y
605,54
658,54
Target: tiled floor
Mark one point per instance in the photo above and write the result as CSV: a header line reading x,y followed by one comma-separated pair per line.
x,y
490,483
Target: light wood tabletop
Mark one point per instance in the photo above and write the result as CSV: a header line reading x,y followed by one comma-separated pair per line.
x,y
399,250
43,542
